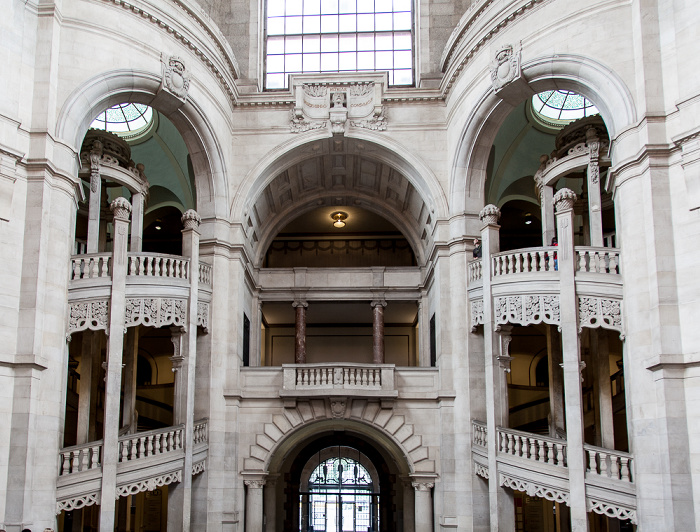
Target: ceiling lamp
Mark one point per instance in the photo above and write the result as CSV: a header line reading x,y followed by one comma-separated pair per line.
x,y
339,219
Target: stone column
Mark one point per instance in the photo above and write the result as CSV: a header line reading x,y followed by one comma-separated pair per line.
x,y
131,350
255,355
115,344
501,505
595,204
269,503
504,360
571,349
177,335
546,194
138,200
254,505
300,332
556,383
89,365
602,390
378,331
180,494
423,506
95,201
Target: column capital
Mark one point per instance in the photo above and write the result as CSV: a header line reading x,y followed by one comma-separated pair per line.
x,y
121,208
255,483
190,219
423,486
490,215
564,200
378,303
300,303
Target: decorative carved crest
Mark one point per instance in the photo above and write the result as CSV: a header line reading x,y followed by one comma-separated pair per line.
x,y
505,66
338,407
176,79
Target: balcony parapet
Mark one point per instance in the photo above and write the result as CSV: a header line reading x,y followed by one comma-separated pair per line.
x,y
147,460
339,379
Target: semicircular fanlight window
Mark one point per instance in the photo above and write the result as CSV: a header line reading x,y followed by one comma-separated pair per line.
x,y
563,105
124,118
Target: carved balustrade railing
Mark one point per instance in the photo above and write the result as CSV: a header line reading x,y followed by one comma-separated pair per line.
x,y
525,260
91,266
598,260
479,433
79,458
377,379
205,273
201,434
607,463
154,442
533,447
474,270
158,265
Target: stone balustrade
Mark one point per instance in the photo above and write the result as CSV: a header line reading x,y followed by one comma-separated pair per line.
x,y
201,434
479,433
205,271
598,260
527,260
606,463
151,443
474,270
91,266
533,447
339,379
158,265
80,458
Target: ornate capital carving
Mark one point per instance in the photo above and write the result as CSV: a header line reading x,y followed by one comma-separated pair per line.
x,y
176,79
121,208
505,66
564,200
423,486
490,215
190,219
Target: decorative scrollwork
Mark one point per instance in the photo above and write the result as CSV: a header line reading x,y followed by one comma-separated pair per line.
x,y
149,484
600,312
199,467
91,315
534,490
527,309
298,124
612,510
155,312
477,313
75,503
203,315
377,123
481,470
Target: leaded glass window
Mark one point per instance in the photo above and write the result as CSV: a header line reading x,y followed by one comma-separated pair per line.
x,y
563,105
312,36
124,118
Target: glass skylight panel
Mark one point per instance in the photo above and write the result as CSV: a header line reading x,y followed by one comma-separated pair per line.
x,y
124,118
311,36
563,105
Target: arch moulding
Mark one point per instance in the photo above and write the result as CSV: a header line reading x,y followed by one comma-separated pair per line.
x,y
566,72
295,424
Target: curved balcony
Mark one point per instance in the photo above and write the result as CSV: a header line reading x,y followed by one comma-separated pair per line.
x,y
146,460
538,466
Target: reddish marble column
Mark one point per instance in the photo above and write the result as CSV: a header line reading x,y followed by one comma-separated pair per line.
x,y
300,332
378,332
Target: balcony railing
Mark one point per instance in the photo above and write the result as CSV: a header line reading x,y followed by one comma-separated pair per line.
x,y
614,465
158,265
80,458
91,266
533,447
338,379
151,443
526,260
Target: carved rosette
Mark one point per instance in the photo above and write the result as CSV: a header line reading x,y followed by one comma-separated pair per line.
x,y
527,310
176,79
190,219
477,314
564,200
121,208
596,312
490,215
156,312
505,66
85,315
533,489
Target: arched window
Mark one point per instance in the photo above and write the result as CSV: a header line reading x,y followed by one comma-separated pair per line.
x,y
564,106
311,36
124,118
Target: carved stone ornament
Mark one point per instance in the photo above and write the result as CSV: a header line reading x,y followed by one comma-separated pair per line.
x,y
593,154
298,124
338,408
156,312
481,470
75,503
505,66
121,208
199,467
91,315
149,484
190,219
477,314
533,489
257,484
596,312
612,510
176,79
564,200
423,486
203,315
490,215
527,310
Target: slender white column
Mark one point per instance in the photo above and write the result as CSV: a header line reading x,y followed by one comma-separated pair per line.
x,y
423,506
501,505
504,360
138,200
255,355
131,350
602,389
546,193
117,306
254,505
571,349
85,396
595,204
95,202
556,383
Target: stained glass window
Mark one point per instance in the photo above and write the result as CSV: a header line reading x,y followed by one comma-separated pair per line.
x,y
310,36
124,118
563,105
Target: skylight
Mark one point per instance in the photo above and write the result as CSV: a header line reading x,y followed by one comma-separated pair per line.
x,y
124,118
563,105
311,36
